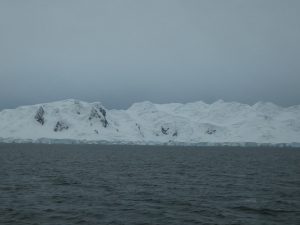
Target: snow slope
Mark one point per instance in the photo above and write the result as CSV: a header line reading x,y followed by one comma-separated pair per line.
x,y
198,123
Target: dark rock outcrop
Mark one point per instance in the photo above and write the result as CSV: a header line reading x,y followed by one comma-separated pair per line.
x,y
165,130
138,126
104,122
99,113
139,129
39,116
175,134
103,112
211,131
60,126
94,114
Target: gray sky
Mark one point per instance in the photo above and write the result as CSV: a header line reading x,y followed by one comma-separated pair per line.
x,y
120,52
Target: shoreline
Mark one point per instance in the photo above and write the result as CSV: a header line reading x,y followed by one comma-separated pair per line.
x,y
45,141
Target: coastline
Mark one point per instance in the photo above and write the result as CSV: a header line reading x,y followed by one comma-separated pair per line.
x,y
48,141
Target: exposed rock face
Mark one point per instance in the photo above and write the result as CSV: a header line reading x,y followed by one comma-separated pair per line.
x,y
60,126
103,112
94,114
39,116
99,113
104,122
211,131
165,130
139,129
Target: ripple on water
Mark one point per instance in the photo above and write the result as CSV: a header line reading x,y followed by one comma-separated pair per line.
x,y
148,185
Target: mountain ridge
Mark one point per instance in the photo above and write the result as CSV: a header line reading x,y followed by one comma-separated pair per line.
x,y
149,123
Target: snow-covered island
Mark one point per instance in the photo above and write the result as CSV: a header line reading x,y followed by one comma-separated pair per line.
x,y
198,123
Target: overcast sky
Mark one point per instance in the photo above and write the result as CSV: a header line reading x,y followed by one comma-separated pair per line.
x,y
121,52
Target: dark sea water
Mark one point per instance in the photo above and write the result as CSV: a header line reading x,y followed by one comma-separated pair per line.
x,y
90,184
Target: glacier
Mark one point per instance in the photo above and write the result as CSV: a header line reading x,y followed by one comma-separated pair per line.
x,y
198,124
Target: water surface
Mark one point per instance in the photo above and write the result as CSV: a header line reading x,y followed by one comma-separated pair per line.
x,y
92,184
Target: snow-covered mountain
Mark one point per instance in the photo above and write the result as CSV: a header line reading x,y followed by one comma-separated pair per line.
x,y
198,123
